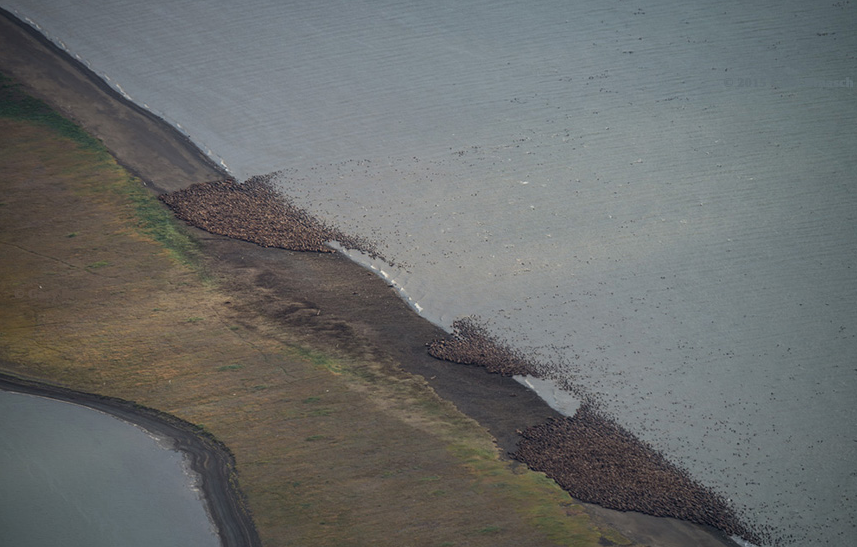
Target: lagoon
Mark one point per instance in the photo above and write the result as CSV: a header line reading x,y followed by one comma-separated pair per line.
x,y
73,476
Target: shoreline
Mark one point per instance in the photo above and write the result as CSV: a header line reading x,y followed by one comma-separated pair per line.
x,y
210,459
105,292
500,404
144,144
604,464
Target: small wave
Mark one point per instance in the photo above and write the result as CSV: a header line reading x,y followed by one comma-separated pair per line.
x,y
742,542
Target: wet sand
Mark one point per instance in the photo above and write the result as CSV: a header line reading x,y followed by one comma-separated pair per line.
x,y
352,300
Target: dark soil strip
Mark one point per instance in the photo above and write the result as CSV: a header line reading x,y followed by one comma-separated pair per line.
x,y
208,457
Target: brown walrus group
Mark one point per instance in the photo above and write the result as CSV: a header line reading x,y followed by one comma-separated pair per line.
x,y
470,344
254,211
589,455
597,461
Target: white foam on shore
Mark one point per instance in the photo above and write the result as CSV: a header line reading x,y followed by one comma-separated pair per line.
x,y
375,265
557,398
742,542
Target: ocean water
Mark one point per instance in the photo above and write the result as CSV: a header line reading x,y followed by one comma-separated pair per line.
x,y
73,476
655,199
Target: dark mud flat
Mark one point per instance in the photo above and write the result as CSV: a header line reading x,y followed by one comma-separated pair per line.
x,y
339,304
210,459
322,295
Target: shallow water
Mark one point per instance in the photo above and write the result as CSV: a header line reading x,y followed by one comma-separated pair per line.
x,y
656,199
74,476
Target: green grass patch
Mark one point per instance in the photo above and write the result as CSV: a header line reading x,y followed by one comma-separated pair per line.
x,y
317,359
230,367
153,218
99,264
16,104
157,222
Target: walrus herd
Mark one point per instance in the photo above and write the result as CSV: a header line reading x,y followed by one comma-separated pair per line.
x,y
470,344
254,211
597,461
589,454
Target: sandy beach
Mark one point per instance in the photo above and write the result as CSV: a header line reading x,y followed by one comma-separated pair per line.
x,y
323,300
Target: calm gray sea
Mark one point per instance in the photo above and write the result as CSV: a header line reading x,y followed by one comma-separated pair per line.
x,y
77,477
657,197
